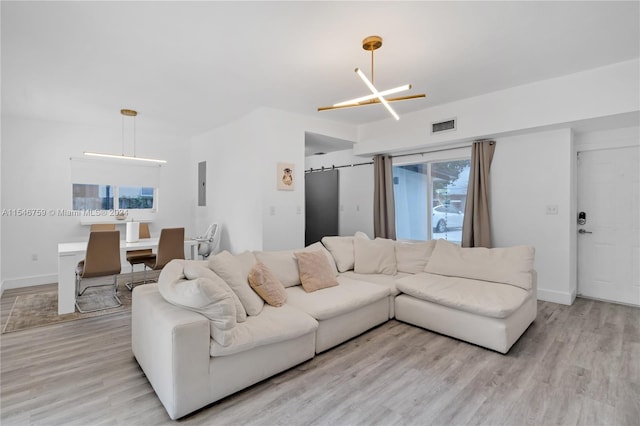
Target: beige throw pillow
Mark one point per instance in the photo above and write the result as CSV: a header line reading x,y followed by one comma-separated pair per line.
x,y
315,271
375,256
267,285
318,246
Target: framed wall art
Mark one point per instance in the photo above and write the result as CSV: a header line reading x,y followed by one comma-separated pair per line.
x,y
286,177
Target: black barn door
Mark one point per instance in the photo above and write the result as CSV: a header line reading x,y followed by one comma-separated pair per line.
x,y
321,205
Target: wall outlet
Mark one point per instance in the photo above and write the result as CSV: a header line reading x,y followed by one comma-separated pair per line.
x,y
298,209
272,210
552,209
34,257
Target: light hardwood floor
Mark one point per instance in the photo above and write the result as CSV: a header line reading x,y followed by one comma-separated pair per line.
x,y
576,364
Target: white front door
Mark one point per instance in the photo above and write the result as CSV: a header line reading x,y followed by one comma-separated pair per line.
x,y
609,240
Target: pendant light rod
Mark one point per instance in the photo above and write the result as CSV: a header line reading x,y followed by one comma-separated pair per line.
x,y
123,157
343,105
354,102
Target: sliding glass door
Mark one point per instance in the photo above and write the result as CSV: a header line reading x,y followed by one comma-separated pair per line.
x,y
430,198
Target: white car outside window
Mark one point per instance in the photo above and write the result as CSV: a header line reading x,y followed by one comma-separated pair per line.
x,y
446,217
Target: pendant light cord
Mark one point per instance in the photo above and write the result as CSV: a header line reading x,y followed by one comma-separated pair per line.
x,y
122,135
134,135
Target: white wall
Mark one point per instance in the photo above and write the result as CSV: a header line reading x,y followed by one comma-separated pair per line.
x,y
600,92
609,138
234,197
529,173
36,175
242,158
532,171
355,190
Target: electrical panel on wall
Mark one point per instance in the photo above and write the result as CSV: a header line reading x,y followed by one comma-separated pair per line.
x,y
202,183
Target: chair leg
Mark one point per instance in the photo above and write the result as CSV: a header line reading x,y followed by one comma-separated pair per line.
x,y
130,284
115,297
115,290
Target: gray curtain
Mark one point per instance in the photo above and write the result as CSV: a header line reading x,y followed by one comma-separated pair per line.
x,y
384,213
476,228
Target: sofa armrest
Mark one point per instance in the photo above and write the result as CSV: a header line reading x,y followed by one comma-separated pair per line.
x,y
534,282
171,345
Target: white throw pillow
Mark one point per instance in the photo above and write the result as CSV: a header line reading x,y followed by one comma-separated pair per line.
x,y
209,296
200,269
375,256
341,249
413,257
511,265
233,272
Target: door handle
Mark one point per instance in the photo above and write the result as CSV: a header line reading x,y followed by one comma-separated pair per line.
x,y
584,231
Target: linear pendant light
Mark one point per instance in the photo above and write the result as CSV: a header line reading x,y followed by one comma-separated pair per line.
x,y
371,44
126,113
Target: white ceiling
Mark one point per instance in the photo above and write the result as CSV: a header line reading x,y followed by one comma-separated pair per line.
x,y
197,65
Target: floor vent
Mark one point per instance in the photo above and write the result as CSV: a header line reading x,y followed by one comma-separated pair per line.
x,y
443,126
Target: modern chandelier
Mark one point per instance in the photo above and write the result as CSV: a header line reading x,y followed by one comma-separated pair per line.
x,y
372,43
126,113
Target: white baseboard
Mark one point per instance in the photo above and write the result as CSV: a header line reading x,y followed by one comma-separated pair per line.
x,y
555,296
29,281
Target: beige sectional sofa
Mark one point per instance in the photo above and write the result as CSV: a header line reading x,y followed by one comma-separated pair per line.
x,y
202,333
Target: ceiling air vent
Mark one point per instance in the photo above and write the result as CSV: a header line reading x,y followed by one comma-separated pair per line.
x,y
443,126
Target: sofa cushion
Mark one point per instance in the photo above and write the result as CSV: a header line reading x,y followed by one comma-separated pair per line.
x,y
330,302
200,269
341,249
484,298
413,257
283,264
273,325
233,271
267,285
511,265
387,281
247,260
360,234
209,296
374,256
315,271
